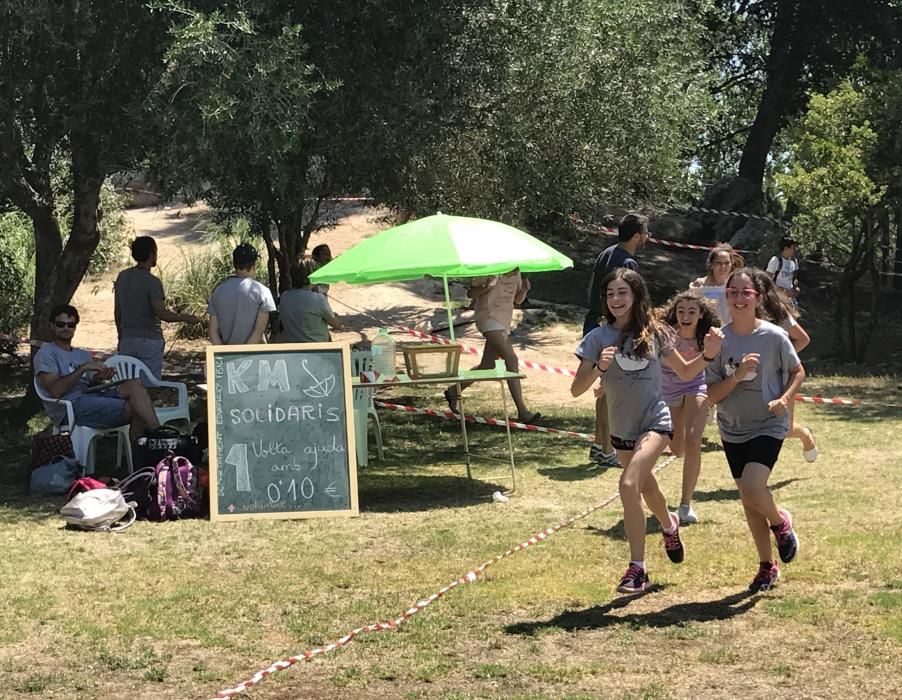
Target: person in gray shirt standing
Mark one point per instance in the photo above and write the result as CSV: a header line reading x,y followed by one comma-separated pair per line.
x,y
140,305
239,307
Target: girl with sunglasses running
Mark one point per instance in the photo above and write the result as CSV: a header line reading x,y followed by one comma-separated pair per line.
x,y
753,381
626,355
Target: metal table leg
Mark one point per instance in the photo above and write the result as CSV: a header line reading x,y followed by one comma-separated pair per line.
x,y
510,444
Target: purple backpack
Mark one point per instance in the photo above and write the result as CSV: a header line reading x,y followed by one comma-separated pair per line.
x,y
167,491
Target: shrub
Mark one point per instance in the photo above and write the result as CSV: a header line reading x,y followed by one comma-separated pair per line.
x,y
16,272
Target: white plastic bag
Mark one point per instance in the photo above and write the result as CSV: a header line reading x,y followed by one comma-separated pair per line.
x,y
99,509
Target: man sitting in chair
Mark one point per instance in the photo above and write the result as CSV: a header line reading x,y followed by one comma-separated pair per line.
x,y
68,373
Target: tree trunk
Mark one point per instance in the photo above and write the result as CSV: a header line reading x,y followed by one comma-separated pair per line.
x,y
874,315
885,260
788,49
850,320
897,266
785,63
839,316
59,270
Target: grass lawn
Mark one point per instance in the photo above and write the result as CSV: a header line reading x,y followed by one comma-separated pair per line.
x,y
185,609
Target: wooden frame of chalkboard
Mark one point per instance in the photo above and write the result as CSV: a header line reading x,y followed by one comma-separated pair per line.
x,y
281,429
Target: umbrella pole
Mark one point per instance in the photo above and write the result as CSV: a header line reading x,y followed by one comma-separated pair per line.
x,y
448,307
460,396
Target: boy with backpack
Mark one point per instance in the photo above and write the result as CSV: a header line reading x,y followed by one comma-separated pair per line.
x,y
783,269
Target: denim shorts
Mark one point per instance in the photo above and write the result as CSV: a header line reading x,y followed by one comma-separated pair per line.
x,y
101,410
148,350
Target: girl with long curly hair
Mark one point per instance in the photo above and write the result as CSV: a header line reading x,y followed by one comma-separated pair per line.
x,y
625,355
691,316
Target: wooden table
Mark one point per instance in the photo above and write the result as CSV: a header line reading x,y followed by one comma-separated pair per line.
x,y
481,375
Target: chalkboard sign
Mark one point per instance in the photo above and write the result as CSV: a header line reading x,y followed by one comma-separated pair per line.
x,y
281,431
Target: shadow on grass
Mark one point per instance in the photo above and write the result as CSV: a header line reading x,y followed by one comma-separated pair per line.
x,y
618,532
20,507
733,494
599,617
393,493
579,472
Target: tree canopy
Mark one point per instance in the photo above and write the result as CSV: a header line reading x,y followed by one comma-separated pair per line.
x,y
74,82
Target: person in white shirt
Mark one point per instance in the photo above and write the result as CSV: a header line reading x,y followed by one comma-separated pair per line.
x,y
783,269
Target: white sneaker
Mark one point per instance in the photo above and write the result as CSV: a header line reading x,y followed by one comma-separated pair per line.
x,y
686,514
810,455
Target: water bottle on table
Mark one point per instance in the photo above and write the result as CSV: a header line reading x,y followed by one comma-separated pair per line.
x,y
383,349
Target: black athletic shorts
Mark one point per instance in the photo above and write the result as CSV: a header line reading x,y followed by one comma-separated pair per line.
x,y
762,449
630,445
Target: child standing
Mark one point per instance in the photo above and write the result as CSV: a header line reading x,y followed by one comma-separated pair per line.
x,y
692,316
626,356
753,382
777,311
783,268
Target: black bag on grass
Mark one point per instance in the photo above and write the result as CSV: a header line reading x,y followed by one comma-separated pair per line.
x,y
156,444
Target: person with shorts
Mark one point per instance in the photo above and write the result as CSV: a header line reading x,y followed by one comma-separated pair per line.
x,y
494,298
753,382
139,306
67,373
632,234
625,355
691,316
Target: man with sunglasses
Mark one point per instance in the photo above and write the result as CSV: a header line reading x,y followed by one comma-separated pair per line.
x,y
68,373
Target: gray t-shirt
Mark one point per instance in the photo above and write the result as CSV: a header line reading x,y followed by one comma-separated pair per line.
x,y
743,414
632,384
135,290
304,313
235,304
51,358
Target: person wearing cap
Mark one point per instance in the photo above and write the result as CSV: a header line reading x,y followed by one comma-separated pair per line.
x,y
239,307
139,306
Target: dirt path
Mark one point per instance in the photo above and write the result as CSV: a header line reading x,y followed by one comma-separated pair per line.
x,y
537,335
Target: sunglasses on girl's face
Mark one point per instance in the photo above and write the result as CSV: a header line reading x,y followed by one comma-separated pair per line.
x,y
744,293
65,324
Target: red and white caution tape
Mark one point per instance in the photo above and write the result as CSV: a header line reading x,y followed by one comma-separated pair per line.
x,y
741,214
438,339
673,244
450,415
691,246
542,367
472,576
833,401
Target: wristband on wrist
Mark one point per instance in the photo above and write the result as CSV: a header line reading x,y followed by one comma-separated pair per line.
x,y
595,365
707,359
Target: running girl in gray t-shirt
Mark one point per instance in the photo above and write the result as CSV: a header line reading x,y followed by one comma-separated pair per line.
x,y
626,355
753,382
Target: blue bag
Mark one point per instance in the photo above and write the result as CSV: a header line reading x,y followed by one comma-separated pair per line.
x,y
56,477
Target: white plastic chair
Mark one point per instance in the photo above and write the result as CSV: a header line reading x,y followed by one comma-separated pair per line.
x,y
132,368
83,436
362,361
